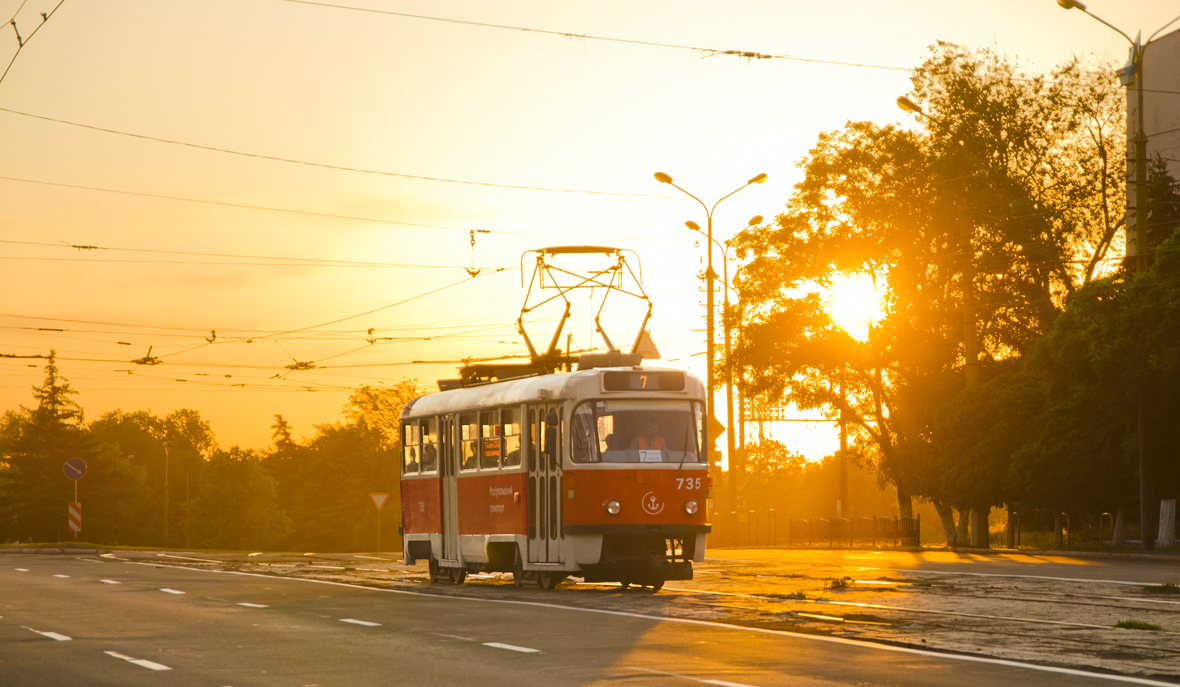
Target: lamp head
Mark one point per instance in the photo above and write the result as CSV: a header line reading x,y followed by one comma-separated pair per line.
x,y
692,225
758,179
1071,4
663,178
908,105
755,221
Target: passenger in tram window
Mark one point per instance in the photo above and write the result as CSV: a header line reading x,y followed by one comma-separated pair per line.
x,y
469,436
649,445
411,461
410,438
429,457
429,454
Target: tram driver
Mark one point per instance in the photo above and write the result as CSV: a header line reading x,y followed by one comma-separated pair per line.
x,y
650,446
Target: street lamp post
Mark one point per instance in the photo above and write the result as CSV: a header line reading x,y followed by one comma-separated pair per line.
x,y
976,519
165,445
729,438
710,275
970,341
1134,71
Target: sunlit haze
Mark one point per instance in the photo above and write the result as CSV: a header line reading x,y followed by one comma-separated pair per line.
x,y
155,203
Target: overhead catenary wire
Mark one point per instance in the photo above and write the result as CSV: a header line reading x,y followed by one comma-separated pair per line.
x,y
265,208
324,165
587,37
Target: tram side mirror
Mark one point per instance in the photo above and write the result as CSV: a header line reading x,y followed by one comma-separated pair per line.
x,y
550,448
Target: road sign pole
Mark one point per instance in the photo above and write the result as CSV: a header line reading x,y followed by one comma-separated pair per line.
x,y
74,469
378,500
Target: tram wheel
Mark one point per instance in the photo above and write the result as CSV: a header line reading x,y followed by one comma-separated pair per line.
x,y
549,580
436,573
458,575
657,586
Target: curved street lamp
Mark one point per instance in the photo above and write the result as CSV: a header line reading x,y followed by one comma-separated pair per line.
x,y
710,275
1132,72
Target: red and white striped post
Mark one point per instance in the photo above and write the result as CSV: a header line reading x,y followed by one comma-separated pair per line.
x,y
75,518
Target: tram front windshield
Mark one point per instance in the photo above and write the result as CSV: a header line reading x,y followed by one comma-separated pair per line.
x,y
637,431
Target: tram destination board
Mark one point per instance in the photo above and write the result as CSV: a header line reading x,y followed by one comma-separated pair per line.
x,y
635,380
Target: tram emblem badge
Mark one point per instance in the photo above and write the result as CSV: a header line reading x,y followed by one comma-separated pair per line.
x,y
651,505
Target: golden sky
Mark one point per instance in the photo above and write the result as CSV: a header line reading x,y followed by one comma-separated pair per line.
x,y
397,95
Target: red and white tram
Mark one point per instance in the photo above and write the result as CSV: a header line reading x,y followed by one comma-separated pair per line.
x,y
597,473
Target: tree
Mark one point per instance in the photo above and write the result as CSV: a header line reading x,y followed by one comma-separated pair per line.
x,y
142,437
975,230
34,445
238,507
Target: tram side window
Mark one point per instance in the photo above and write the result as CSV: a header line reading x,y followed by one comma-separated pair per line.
x,y
510,423
489,421
429,445
582,435
530,433
469,427
410,448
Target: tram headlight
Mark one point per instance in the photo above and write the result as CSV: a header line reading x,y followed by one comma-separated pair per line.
x,y
690,507
613,507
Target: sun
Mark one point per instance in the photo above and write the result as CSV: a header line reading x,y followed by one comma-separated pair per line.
x,y
854,304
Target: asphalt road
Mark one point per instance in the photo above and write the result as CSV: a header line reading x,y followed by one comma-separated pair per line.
x,y
81,620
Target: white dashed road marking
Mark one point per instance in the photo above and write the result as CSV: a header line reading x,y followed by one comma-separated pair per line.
x,y
171,591
141,662
511,647
52,635
249,605
718,683
61,575
21,569
110,582
354,621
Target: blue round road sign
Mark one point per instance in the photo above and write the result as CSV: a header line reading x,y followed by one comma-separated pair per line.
x,y
74,468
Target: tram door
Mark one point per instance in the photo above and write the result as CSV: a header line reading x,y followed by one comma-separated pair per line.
x,y
544,483
448,469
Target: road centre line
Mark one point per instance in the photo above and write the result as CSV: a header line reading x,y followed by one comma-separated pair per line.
x,y
250,605
940,655
512,647
110,582
141,662
166,590
354,621
187,558
51,635
719,683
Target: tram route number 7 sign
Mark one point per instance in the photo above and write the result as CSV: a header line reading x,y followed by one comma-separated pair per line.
x,y
379,499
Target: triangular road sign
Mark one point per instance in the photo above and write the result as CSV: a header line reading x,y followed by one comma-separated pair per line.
x,y
647,347
716,429
379,499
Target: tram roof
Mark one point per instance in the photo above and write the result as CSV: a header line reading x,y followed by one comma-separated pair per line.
x,y
542,388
